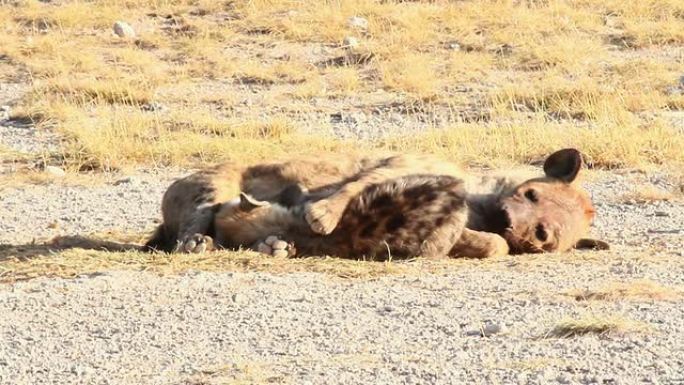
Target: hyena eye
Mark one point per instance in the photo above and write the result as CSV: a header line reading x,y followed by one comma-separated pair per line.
x,y
531,195
541,233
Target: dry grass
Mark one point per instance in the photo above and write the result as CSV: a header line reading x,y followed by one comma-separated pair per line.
x,y
69,257
596,325
544,74
648,193
641,290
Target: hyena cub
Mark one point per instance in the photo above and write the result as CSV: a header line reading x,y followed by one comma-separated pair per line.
x,y
416,215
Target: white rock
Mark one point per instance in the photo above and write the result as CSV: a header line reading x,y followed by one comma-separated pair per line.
x,y
125,180
238,298
5,112
54,171
351,42
489,329
358,22
123,29
454,46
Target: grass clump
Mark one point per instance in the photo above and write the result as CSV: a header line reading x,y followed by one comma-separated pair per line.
x,y
595,325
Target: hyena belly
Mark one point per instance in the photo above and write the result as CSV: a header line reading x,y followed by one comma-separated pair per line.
x,y
417,215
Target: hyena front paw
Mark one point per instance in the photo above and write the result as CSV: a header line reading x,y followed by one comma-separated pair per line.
x,y
321,216
497,247
276,247
196,243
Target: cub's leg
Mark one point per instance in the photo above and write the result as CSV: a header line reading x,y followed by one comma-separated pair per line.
x,y
324,215
479,244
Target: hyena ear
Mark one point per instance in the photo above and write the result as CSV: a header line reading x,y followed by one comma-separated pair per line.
x,y
248,203
563,165
594,244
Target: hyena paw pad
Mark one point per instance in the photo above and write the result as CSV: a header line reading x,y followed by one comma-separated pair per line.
x,y
196,243
276,247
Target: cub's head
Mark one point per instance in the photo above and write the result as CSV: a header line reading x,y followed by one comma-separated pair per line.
x,y
550,213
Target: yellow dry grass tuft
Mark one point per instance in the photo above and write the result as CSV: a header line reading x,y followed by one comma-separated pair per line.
x,y
640,290
648,193
596,325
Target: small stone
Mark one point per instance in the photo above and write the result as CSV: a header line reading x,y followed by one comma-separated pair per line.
x,y
454,46
125,180
280,253
264,249
5,112
674,90
358,22
55,171
271,240
123,30
350,42
154,107
279,245
661,214
238,298
489,329
562,379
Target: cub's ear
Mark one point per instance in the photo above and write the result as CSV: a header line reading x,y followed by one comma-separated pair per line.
x,y
248,203
563,165
594,244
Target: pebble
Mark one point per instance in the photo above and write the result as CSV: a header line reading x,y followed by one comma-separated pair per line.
x,y
358,22
54,171
123,30
350,42
125,180
5,112
154,107
454,46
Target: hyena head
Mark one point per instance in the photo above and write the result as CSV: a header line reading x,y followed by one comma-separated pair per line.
x,y
550,213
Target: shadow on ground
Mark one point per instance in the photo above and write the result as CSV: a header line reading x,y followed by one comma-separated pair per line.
x,y
31,250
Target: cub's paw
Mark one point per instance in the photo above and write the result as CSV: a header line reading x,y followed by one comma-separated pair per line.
x,y
497,246
276,247
321,216
196,243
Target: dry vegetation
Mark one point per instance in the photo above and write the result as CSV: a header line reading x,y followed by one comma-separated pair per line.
x,y
241,79
599,325
641,290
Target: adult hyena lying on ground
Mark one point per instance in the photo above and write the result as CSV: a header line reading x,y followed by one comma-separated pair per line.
x,y
541,214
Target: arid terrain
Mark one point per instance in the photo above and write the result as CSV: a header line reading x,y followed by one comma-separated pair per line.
x,y
104,103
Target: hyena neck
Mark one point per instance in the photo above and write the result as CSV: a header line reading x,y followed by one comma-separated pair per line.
x,y
484,202
486,214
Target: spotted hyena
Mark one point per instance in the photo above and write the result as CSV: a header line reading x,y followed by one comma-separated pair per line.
x,y
415,215
546,213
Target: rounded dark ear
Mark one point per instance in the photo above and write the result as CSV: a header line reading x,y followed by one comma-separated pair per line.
x,y
563,165
248,203
594,244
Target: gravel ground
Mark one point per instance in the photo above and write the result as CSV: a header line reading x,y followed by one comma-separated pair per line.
x,y
215,328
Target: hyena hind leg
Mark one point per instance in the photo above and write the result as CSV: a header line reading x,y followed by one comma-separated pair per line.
x,y
195,236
